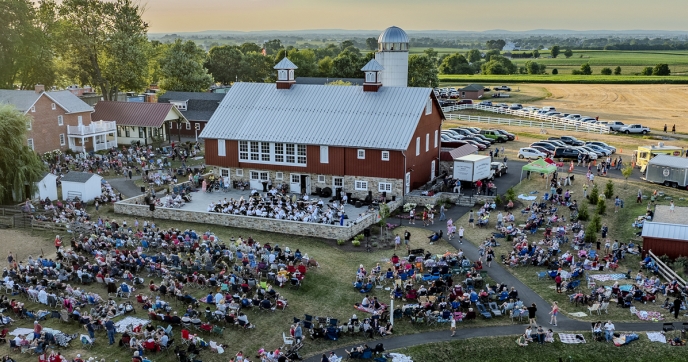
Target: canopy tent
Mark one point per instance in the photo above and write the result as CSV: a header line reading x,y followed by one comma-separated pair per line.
x,y
539,166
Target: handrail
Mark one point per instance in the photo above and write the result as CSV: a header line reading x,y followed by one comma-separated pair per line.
x,y
668,273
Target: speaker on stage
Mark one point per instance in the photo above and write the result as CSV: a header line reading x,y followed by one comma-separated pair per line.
x,y
366,232
152,207
339,193
143,189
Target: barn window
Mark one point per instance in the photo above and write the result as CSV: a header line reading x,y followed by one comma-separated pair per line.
x,y
428,107
221,151
360,154
361,185
324,154
385,155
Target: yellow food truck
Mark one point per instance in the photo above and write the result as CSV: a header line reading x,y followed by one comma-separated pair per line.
x,y
645,153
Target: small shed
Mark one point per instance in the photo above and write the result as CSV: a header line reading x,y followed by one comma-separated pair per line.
x,y
447,156
472,91
84,185
46,187
667,233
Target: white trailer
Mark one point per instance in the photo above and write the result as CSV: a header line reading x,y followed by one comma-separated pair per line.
x,y
472,168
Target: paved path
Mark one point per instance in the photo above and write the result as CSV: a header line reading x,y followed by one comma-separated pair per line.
x,y
125,186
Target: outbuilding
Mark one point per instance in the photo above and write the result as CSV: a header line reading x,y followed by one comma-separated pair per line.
x,y
667,233
46,187
472,91
86,186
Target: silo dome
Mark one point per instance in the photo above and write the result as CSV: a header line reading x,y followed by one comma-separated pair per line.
x,y
393,39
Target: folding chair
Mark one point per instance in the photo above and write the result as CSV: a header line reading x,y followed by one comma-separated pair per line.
x,y
86,341
494,309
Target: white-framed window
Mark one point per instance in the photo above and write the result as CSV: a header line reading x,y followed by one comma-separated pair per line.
x,y
436,137
188,125
324,154
361,185
266,152
221,150
239,172
385,155
260,175
180,105
53,107
80,119
28,124
321,179
62,139
60,120
295,178
119,132
127,131
224,172
428,107
338,182
142,133
384,187
30,143
33,109
279,176
360,154
427,142
417,146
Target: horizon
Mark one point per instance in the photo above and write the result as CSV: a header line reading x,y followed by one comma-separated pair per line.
x,y
173,16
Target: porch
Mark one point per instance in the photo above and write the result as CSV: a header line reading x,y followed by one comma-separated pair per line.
x,y
101,134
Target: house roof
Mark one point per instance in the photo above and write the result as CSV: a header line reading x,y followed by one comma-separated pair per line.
x,y
662,230
23,100
323,80
134,113
80,177
319,115
670,161
448,154
472,88
200,105
189,96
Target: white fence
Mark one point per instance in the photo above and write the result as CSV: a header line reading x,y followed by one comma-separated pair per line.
x,y
536,120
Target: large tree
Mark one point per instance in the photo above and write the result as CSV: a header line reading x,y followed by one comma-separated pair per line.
x,y
473,56
371,43
181,68
554,52
347,65
106,44
256,68
455,64
498,65
19,164
422,72
224,63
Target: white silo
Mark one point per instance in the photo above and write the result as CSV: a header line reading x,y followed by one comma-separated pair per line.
x,y
393,55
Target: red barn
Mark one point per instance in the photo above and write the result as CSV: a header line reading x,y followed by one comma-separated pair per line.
x,y
363,139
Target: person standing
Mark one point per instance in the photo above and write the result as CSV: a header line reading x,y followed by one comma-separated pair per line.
x,y
461,234
10,258
453,327
677,307
671,206
531,314
640,197
397,242
425,217
412,217
554,312
442,209
665,128
490,256
407,238
471,219
111,330
557,280
58,243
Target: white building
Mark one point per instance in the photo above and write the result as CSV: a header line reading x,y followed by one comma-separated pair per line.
x,y
46,187
393,57
85,186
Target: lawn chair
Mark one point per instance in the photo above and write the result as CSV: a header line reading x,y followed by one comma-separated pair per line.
x,y
218,330
595,308
186,337
604,308
287,341
483,311
86,341
541,275
494,309
591,283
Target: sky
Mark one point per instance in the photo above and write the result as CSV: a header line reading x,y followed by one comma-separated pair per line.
x,y
166,16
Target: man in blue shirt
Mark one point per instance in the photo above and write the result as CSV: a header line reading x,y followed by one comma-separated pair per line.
x,y
111,330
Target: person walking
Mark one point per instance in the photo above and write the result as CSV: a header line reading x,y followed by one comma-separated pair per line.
x,y
554,312
412,217
531,314
557,280
665,128
490,256
450,229
442,216
425,217
453,327
471,219
460,234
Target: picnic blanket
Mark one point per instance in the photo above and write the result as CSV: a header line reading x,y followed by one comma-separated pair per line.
x,y
579,314
398,357
649,316
656,337
371,310
570,338
607,277
526,197
130,322
625,339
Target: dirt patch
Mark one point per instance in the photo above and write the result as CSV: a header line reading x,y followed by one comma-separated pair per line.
x,y
652,105
22,244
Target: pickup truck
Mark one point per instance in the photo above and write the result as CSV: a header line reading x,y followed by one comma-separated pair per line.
x,y
502,88
635,128
613,125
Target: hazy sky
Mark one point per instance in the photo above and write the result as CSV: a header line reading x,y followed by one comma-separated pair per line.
x,y
468,15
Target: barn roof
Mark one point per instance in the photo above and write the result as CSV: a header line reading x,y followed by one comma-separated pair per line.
x,y
80,177
343,116
661,230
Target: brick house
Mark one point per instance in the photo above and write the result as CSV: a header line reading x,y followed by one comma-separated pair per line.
x,y
139,122
57,118
197,107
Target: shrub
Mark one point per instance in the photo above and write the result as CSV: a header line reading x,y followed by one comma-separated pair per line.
x,y
647,71
601,207
597,223
606,71
374,244
340,242
609,189
617,70
356,242
498,200
583,214
590,233
555,71
594,195
511,194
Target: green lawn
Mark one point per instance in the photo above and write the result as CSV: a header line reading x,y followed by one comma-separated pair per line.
x,y
500,349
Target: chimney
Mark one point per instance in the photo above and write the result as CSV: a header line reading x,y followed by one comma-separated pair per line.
x,y
285,73
40,88
372,81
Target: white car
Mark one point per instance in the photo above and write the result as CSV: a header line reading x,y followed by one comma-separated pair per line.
x,y
530,153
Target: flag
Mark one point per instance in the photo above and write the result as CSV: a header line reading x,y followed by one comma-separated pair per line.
x,y
264,52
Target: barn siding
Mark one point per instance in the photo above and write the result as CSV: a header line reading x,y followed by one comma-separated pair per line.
x,y
670,247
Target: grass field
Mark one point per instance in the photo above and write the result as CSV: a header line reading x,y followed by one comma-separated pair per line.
x,y
564,78
500,349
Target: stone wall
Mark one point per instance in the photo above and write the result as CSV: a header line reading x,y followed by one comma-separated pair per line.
x,y
134,206
415,197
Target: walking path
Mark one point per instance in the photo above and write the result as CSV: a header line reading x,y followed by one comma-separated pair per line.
x,y
126,186
498,273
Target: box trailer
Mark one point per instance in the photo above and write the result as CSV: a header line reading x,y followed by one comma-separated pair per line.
x,y
472,168
667,170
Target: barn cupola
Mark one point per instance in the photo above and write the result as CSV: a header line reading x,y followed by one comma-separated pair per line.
x,y
285,73
372,81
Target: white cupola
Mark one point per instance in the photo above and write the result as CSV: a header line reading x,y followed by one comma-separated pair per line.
x,y
372,81
393,55
285,73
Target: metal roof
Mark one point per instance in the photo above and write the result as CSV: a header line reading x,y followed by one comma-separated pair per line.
x,y
662,230
472,88
343,116
184,96
324,80
448,154
80,177
671,161
134,113
285,63
393,34
372,66
24,99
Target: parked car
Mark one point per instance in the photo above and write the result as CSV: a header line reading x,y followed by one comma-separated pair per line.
x,y
566,152
593,153
530,153
547,152
573,117
463,131
475,130
555,143
485,138
602,144
485,103
635,128
510,136
570,140
494,135
530,109
480,145
550,147
465,101
614,125
548,109
552,114
479,140
599,149
515,107
502,88
499,168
